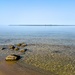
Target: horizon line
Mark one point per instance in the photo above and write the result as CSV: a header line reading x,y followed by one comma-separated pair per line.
x,y
40,25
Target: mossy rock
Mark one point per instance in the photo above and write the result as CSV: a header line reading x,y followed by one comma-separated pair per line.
x,y
16,48
11,47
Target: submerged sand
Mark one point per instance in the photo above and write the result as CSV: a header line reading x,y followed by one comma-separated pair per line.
x,y
39,59
14,68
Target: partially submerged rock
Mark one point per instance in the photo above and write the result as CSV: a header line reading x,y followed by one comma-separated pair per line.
x,y
16,48
3,48
11,47
19,44
57,51
23,50
23,45
12,57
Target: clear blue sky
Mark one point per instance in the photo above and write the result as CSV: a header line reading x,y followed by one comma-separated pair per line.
x,y
37,12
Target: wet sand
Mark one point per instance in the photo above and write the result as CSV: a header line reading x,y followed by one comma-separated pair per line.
x,y
43,53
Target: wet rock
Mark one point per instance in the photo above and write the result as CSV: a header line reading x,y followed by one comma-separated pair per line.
x,y
3,48
56,51
23,45
11,47
12,57
16,48
23,50
19,44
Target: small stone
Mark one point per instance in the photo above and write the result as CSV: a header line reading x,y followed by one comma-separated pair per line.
x,y
23,50
23,45
11,47
16,49
19,44
56,51
3,48
12,57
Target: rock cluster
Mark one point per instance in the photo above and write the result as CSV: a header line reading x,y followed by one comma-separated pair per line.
x,y
18,47
21,45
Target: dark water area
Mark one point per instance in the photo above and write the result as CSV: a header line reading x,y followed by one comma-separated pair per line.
x,y
36,34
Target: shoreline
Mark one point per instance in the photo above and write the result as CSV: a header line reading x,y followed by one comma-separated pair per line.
x,y
36,57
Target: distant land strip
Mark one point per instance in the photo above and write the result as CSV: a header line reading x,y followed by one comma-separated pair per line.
x,y
41,25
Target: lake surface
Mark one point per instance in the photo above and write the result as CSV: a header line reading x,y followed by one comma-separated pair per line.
x,y
61,35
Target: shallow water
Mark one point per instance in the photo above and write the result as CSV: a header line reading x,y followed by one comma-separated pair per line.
x,y
34,35
10,68
20,68
60,35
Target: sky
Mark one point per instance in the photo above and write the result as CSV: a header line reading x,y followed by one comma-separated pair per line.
x,y
59,12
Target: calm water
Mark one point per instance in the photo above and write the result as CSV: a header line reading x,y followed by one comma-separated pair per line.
x,y
47,34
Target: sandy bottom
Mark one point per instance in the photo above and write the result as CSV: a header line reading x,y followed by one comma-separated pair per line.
x,y
18,67
12,68
39,59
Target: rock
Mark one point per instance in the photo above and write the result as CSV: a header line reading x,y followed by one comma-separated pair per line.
x,y
56,51
12,57
23,45
19,44
3,48
16,49
11,47
23,50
